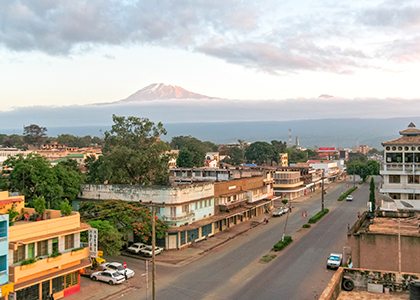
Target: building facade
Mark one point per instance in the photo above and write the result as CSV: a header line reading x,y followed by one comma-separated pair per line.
x,y
401,167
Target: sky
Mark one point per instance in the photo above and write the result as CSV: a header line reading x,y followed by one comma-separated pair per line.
x,y
74,52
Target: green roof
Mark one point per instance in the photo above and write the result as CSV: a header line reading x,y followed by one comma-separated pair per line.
x,y
75,155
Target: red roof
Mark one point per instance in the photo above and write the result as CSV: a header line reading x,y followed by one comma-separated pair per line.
x,y
9,201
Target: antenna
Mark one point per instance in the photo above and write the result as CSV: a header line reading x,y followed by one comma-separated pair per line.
x,y
290,138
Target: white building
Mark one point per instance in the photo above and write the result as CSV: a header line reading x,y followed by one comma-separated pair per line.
x,y
401,168
6,152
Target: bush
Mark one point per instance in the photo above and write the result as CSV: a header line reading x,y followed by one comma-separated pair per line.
x,y
281,245
267,258
284,201
306,226
318,216
65,207
39,205
28,262
55,254
344,196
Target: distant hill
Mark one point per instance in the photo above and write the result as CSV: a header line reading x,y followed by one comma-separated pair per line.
x,y
324,132
159,91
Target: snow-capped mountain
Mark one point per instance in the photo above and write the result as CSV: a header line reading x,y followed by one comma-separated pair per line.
x,y
161,91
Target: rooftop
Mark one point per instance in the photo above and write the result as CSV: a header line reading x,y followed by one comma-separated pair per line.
x,y
408,226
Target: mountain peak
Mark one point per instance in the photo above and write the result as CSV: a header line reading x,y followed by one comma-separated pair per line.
x,y
158,91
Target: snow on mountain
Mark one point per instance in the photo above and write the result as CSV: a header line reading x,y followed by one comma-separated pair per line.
x,y
159,91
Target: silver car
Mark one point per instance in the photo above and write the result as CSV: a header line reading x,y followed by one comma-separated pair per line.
x,y
111,277
117,267
278,212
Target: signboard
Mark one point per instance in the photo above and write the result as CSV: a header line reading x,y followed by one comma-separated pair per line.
x,y
93,242
100,253
125,265
347,186
304,214
326,149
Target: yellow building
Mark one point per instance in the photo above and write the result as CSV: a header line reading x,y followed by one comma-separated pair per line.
x,y
45,256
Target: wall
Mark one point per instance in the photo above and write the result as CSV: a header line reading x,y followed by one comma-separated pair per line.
x,y
221,188
156,194
333,288
4,248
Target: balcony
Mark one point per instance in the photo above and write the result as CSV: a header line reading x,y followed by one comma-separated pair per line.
x,y
232,204
180,217
46,265
406,167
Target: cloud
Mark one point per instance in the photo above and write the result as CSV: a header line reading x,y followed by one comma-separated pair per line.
x,y
273,37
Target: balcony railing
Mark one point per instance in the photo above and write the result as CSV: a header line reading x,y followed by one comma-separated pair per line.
x,y
405,167
181,217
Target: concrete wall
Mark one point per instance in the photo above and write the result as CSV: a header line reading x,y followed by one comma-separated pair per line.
x,y
155,194
333,288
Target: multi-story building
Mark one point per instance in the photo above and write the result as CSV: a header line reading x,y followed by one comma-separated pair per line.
x,y
45,256
330,168
401,167
284,158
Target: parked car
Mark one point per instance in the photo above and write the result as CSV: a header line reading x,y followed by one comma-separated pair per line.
x,y
349,198
147,251
285,209
334,261
278,212
108,276
117,267
136,247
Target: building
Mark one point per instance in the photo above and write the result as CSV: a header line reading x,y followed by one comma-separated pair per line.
x,y
377,242
45,256
284,158
174,157
5,286
193,211
7,152
401,168
362,149
330,168
54,151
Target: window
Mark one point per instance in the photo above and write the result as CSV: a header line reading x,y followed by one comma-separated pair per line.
x,y
42,248
208,202
69,241
19,254
3,263
394,179
413,179
413,196
394,157
173,211
31,292
186,208
71,279
57,284
395,196
31,250
196,205
55,244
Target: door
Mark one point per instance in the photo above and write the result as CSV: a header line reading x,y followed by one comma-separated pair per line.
x,y
172,241
45,290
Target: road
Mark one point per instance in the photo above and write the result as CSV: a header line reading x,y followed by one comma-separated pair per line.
x,y
233,271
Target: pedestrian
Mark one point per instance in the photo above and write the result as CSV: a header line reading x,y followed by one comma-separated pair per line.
x,y
125,274
358,214
52,297
265,221
348,226
290,208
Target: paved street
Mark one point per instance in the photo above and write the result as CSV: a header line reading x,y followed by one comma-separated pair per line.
x,y
233,270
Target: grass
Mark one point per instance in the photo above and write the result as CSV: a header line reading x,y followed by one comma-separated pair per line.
x,y
306,226
318,216
344,196
267,258
282,244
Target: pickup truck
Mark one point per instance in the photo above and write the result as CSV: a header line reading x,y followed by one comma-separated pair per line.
x,y
334,261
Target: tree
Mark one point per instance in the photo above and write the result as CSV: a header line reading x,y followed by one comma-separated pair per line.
x,y
96,170
34,135
279,145
127,217
134,152
236,155
69,177
33,177
185,158
110,240
260,153
39,205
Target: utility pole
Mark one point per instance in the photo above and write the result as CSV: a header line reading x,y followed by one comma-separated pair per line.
x,y
153,254
322,206
147,279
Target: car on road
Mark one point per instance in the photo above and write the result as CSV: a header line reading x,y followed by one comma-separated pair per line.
x,y
349,198
148,251
334,261
117,267
136,248
111,277
285,209
278,212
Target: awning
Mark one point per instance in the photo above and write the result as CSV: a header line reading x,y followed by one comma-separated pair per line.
x,y
83,264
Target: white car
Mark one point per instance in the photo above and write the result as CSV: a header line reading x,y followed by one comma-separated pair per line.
x,y
136,247
147,251
334,261
111,277
117,267
278,212
349,198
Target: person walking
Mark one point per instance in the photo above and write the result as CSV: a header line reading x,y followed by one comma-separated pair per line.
x,y
358,214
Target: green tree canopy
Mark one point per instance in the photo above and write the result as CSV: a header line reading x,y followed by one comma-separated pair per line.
x,y
260,153
96,170
134,154
110,240
126,216
185,158
34,135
